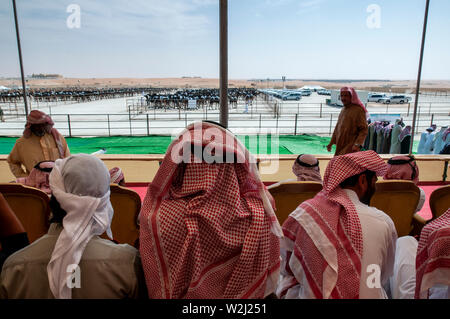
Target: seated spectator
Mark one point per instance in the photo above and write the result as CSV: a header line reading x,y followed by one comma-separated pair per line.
x,y
12,234
306,168
207,223
422,269
405,168
117,176
335,245
38,177
71,261
432,260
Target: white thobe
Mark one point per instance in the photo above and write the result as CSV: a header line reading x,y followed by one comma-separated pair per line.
x,y
379,238
403,281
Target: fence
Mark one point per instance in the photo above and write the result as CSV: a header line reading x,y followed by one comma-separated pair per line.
x,y
263,115
166,124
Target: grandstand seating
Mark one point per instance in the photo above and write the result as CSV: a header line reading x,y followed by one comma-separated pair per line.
x,y
291,194
440,201
31,205
398,199
127,205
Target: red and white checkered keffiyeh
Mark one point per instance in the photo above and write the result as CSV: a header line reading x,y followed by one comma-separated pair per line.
x,y
116,175
209,230
38,178
404,171
433,256
307,173
38,117
323,236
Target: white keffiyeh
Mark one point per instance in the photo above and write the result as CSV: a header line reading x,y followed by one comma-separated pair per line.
x,y
80,183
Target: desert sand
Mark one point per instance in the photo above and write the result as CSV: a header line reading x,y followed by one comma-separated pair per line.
x,y
406,86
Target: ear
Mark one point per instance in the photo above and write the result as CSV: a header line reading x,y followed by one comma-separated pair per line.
x,y
362,181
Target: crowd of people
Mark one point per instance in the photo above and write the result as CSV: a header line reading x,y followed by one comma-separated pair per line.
x,y
433,141
208,225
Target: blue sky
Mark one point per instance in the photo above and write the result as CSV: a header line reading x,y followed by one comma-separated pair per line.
x,y
305,39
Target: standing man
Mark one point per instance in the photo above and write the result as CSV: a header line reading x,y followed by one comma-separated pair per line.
x,y
351,128
40,142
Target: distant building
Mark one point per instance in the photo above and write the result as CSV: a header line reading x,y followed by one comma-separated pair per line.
x,y
46,76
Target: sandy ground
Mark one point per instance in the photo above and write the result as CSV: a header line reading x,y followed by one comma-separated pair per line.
x,y
406,86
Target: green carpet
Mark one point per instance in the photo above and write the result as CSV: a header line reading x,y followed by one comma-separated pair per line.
x,y
287,144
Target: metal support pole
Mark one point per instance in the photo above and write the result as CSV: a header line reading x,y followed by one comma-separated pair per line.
x,y
109,126
295,130
444,176
277,126
129,120
320,110
260,118
148,127
331,122
432,118
223,62
419,74
68,122
24,89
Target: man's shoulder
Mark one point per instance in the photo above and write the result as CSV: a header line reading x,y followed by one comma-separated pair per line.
x,y
21,140
99,248
36,253
378,215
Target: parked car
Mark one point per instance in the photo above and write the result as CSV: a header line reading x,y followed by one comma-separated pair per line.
x,y
400,99
396,99
292,96
306,92
324,92
376,98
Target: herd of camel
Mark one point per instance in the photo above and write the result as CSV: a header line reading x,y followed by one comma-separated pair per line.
x,y
158,98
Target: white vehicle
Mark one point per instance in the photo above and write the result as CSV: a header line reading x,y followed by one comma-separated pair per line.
x,y
374,97
305,92
292,96
335,98
396,99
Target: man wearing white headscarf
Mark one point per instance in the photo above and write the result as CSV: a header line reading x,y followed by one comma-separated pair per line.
x,y
71,261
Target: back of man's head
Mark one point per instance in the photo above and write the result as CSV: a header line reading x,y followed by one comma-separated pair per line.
x,y
352,181
85,175
80,175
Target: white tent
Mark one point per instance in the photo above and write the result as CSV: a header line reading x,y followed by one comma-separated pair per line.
x,y
3,88
312,87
